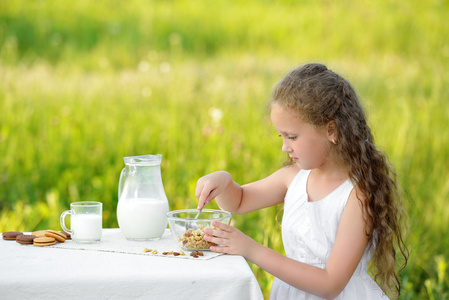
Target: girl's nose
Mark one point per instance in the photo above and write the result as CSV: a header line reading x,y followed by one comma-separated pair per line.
x,y
286,148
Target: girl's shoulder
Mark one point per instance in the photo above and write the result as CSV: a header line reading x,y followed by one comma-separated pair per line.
x,y
288,173
279,180
358,200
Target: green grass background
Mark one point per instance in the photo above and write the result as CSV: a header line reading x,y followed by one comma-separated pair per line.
x,y
83,84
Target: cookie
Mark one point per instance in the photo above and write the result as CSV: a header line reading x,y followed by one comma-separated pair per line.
x,y
39,233
11,235
25,239
67,235
56,235
44,241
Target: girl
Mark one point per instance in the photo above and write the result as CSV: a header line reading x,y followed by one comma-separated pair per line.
x,y
341,201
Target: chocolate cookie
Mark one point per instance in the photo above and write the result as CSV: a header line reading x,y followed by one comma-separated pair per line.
x,y
11,235
25,239
67,235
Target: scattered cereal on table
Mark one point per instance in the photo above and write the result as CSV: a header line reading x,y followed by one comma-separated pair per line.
x,y
171,252
197,254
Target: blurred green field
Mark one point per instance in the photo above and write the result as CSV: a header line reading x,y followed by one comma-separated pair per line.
x,y
84,84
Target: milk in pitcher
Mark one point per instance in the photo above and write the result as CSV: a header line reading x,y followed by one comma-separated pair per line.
x,y
142,218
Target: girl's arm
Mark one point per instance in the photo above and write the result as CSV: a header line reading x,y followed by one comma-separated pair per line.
x,y
328,283
238,199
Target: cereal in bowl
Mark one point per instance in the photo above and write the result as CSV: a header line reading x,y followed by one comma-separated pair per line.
x,y
193,239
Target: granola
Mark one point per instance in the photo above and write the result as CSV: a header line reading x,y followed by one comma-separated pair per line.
x,y
194,239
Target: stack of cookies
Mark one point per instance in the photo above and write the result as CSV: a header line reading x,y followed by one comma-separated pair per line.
x,y
39,238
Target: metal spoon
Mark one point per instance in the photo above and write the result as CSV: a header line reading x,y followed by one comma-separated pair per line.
x,y
196,217
190,225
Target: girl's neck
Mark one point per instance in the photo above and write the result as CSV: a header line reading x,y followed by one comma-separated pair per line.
x,y
331,170
323,182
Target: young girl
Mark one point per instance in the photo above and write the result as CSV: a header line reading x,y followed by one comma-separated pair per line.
x,y
341,199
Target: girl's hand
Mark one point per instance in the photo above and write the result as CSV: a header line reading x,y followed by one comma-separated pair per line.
x,y
210,186
230,239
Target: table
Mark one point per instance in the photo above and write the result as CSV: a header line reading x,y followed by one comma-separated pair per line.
x,y
30,272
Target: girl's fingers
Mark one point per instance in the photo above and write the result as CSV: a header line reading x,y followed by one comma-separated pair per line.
x,y
202,203
203,197
205,194
216,240
228,239
214,193
215,233
198,190
219,249
198,194
222,226
218,236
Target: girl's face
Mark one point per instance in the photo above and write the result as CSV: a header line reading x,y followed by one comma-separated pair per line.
x,y
307,145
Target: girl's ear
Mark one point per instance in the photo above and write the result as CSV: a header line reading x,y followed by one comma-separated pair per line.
x,y
331,131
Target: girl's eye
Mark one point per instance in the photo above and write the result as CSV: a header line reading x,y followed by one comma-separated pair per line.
x,y
293,137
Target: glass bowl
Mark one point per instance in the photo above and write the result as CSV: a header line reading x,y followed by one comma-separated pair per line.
x,y
188,232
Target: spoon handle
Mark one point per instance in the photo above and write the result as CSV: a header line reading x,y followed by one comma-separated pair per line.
x,y
196,217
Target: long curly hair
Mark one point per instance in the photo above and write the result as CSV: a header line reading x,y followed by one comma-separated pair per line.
x,y
320,95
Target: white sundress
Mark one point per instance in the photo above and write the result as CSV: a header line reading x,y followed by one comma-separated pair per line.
x,y
308,232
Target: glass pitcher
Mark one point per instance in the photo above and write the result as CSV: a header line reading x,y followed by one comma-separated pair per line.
x,y
142,206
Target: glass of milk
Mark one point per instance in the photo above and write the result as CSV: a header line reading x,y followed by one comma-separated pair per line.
x,y
142,206
85,221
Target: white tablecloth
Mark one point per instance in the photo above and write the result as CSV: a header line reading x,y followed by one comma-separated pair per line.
x,y
29,272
